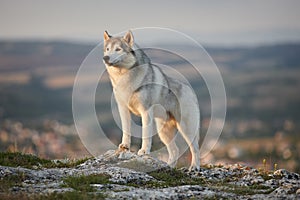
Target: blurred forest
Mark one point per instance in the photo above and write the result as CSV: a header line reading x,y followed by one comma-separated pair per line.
x,y
263,102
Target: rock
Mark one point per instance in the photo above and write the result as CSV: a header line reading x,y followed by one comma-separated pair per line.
x,y
130,176
126,155
252,179
286,174
124,175
285,190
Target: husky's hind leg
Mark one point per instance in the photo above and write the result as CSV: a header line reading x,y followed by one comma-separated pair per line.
x,y
166,132
188,128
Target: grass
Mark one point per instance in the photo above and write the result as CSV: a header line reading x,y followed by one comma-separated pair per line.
x,y
168,177
266,173
83,183
82,187
16,159
247,190
74,195
23,160
174,177
10,181
80,184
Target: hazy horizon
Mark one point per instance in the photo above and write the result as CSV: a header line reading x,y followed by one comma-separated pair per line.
x,y
230,23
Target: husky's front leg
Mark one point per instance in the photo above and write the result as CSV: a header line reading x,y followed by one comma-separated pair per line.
x,y
126,122
147,132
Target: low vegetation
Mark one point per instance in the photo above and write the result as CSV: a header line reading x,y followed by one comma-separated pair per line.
x,y
10,181
172,177
73,195
17,159
84,183
175,177
85,186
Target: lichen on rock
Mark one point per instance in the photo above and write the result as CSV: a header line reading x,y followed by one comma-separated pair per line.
x,y
123,174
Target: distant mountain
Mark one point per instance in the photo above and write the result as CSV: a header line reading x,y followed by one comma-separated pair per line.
x,y
26,55
279,55
52,53
43,48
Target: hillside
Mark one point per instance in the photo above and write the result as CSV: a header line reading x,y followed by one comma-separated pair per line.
x,y
259,81
125,175
262,86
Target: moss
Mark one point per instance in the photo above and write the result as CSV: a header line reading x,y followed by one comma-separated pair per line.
x,y
240,190
122,190
83,183
74,195
23,160
17,159
246,190
67,164
215,197
165,177
265,175
172,177
10,196
259,187
11,181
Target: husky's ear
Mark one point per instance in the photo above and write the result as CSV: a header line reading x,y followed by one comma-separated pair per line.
x,y
128,37
106,36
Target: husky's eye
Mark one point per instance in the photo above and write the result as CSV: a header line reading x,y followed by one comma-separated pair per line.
x,y
107,49
118,49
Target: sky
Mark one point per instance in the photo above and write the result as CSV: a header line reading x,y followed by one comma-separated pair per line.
x,y
230,22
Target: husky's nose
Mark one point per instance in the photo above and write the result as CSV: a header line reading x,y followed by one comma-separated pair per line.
x,y
106,58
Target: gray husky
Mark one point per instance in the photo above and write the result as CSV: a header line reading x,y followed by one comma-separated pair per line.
x,y
142,88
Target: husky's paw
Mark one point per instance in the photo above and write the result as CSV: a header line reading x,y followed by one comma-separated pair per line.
x,y
142,152
123,147
194,169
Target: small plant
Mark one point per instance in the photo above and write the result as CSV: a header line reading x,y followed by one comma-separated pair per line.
x,y
265,165
16,159
264,172
10,181
74,195
275,166
83,183
173,177
24,160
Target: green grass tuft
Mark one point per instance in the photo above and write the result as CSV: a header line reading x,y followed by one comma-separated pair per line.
x,y
74,195
17,159
172,177
9,181
24,160
83,183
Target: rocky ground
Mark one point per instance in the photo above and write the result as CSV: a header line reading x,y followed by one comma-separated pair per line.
x,y
124,175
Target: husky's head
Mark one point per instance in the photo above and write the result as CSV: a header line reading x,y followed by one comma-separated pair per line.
x,y
118,51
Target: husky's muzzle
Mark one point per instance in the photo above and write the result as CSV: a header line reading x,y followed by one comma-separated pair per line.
x,y
106,60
